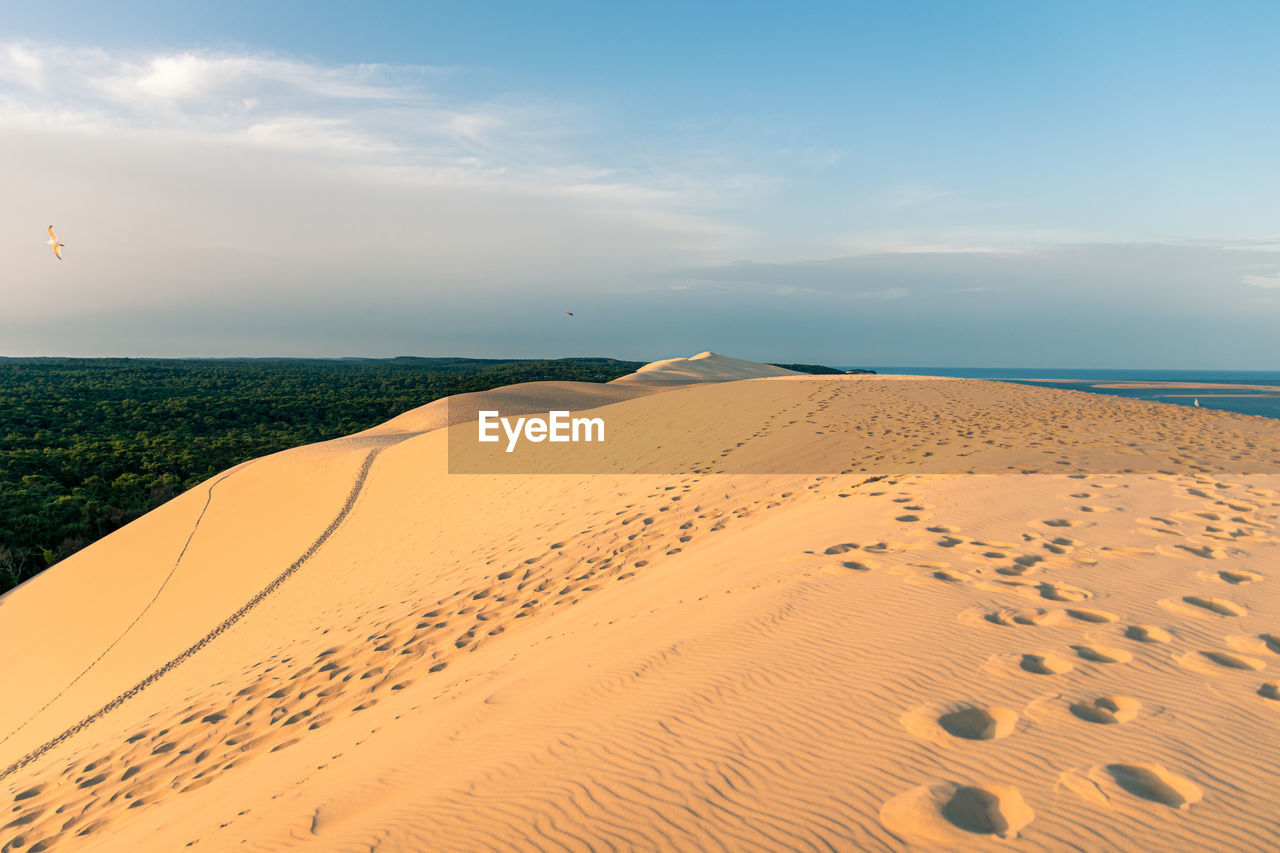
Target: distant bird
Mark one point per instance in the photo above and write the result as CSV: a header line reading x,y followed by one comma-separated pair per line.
x,y
568,313
1196,401
53,242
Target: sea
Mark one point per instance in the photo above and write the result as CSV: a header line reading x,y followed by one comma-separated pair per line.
x,y
1244,401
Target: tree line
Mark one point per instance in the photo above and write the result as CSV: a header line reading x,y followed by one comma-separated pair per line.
x,y
89,445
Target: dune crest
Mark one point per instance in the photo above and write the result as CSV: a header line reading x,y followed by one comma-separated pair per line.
x,y
703,367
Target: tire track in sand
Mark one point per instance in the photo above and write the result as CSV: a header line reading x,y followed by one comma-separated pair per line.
x,y
226,624
143,612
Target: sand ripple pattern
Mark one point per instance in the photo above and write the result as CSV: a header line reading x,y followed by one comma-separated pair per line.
x,y
801,689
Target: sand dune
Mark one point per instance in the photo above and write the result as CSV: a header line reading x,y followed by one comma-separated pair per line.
x,y
703,367
344,647
521,399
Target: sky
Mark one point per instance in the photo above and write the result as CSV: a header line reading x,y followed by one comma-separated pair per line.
x,y
1002,184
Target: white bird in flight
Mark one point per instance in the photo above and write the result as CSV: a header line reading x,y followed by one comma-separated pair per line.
x,y
53,241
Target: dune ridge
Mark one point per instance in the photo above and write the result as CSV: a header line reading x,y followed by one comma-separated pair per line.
x,y
703,367
863,657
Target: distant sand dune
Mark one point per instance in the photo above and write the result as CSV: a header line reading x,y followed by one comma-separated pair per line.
x,y
703,367
342,647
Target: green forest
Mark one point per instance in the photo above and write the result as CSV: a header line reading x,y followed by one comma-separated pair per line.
x,y
88,445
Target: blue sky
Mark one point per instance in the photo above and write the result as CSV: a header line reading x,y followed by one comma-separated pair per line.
x,y
999,183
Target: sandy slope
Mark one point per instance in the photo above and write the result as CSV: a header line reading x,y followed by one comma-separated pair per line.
x,y
358,650
520,399
703,367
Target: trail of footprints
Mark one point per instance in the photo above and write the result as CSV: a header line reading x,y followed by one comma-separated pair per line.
x,y
1017,568
897,428
275,702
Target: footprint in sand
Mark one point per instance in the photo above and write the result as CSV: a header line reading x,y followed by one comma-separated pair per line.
x,y
842,548
1126,549
1202,606
1061,545
1214,663
950,813
1011,617
1240,577
1111,785
1215,605
985,812
948,724
1045,664
844,568
1107,710
1155,783
1148,634
1206,552
979,723
1062,592
1262,644
1103,654
1095,616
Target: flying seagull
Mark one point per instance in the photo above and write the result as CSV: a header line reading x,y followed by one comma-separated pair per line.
x,y
568,313
53,241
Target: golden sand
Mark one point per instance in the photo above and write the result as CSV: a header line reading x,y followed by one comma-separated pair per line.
x,y
344,647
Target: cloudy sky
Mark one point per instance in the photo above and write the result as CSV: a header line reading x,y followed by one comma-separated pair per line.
x,y
966,184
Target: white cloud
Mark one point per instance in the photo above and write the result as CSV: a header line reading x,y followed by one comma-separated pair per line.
x,y
203,82
194,189
369,116
386,116
304,132
23,66
1270,282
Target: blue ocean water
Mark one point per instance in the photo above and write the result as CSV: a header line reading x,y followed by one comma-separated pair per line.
x,y
1250,402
